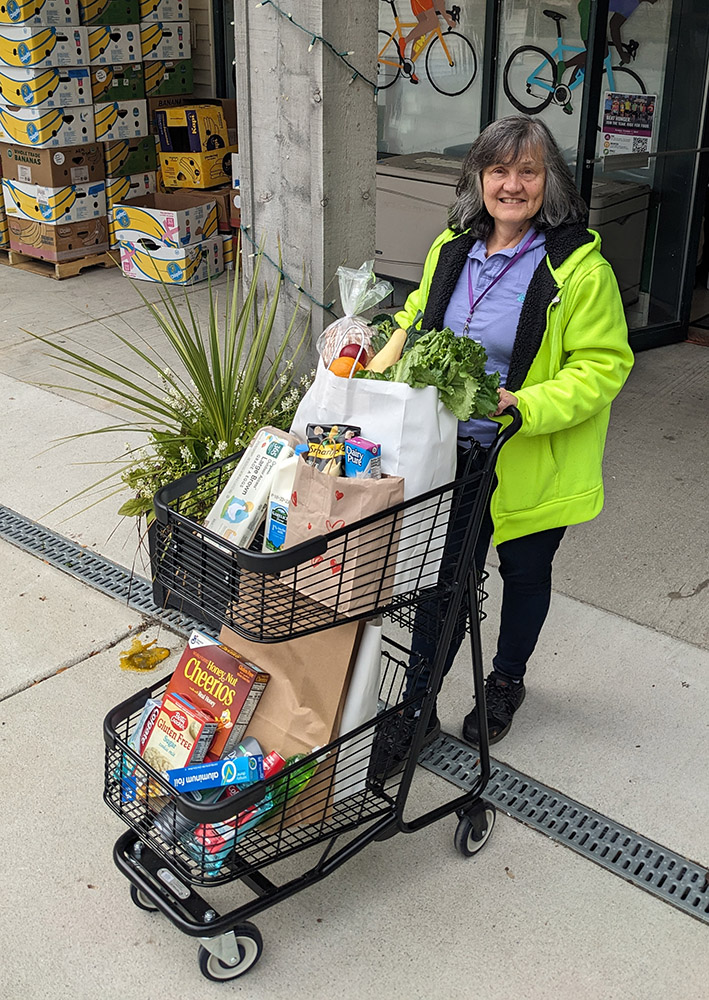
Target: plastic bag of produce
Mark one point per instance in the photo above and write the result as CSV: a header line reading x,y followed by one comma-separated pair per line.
x,y
359,291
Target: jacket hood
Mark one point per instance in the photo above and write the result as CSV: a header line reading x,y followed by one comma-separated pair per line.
x,y
567,246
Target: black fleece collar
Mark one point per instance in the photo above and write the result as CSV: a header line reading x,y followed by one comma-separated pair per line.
x,y
560,244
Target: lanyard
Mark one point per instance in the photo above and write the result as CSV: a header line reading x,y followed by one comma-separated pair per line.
x,y
471,298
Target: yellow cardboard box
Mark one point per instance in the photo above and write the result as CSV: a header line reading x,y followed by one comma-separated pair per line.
x,y
166,220
47,128
196,170
52,205
174,266
46,88
33,45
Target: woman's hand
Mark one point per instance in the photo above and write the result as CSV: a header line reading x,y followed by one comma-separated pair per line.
x,y
506,399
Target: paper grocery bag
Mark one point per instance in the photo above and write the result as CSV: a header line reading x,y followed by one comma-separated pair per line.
x,y
301,707
356,573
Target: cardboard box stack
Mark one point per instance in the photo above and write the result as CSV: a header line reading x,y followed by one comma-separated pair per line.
x,y
53,176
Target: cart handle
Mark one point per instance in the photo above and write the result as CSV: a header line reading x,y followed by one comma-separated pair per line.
x,y
505,433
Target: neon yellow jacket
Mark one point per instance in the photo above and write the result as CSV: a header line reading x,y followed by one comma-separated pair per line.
x,y
570,359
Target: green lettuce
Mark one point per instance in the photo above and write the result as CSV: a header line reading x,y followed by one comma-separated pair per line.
x,y
454,365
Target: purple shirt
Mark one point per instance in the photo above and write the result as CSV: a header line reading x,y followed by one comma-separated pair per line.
x,y
494,322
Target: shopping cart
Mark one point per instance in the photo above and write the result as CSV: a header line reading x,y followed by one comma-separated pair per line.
x,y
354,789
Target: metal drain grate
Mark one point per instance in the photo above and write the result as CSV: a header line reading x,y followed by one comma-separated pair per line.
x,y
89,567
646,864
616,848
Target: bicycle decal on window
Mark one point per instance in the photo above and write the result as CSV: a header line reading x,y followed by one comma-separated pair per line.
x,y
534,78
450,61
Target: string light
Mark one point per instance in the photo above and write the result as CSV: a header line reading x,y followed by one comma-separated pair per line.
x,y
296,284
314,37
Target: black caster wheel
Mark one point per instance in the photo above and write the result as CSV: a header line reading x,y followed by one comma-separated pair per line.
x,y
250,945
142,901
474,829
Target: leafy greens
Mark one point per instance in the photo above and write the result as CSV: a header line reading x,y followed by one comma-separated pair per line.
x,y
454,365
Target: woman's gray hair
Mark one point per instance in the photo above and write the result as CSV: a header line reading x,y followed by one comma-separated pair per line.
x,y
505,141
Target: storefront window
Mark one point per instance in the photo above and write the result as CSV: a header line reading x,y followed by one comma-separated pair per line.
x,y
441,112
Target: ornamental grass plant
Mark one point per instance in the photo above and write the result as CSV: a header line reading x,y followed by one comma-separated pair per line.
x,y
229,380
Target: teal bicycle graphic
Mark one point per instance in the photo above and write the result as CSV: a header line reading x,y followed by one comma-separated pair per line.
x,y
533,78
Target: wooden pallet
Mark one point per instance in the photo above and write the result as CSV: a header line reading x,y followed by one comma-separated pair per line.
x,y
56,269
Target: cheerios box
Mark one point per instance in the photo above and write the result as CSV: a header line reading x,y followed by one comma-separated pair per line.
x,y
47,127
46,12
186,265
167,220
165,40
121,120
114,43
182,735
33,45
52,87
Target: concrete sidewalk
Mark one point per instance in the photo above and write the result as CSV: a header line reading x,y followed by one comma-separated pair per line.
x,y
616,717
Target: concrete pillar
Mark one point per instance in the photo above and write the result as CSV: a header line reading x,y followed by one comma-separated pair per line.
x,y
307,139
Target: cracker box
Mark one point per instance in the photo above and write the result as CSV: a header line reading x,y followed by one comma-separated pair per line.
x,y
120,189
182,734
165,40
62,242
46,88
109,11
115,43
130,156
165,78
117,83
167,220
73,203
181,266
164,10
49,127
52,167
121,120
222,683
46,12
31,45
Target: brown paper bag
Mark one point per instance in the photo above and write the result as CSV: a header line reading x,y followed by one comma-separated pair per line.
x,y
301,707
356,574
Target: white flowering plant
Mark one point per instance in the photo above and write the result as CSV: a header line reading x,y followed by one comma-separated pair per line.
x,y
229,381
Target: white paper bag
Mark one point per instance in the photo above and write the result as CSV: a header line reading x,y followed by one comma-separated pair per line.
x,y
418,435
360,706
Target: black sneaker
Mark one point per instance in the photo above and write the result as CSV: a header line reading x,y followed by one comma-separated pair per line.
x,y
502,699
392,740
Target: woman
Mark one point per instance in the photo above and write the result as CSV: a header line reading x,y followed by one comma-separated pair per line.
x,y
518,270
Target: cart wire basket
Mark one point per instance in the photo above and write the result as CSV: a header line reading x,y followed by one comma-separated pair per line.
x,y
417,571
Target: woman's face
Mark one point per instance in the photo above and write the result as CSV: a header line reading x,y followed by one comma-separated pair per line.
x,y
513,192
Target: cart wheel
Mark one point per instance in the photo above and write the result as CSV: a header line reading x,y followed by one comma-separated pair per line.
x,y
474,829
142,901
250,944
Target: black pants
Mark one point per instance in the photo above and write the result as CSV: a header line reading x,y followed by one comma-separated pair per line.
x,y
525,568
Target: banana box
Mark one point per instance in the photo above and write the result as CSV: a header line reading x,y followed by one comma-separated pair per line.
x,y
164,10
165,40
47,12
74,203
117,83
229,251
121,120
192,128
52,167
120,189
109,11
164,78
114,43
172,266
196,170
166,220
47,128
31,45
47,88
4,231
130,156
66,241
